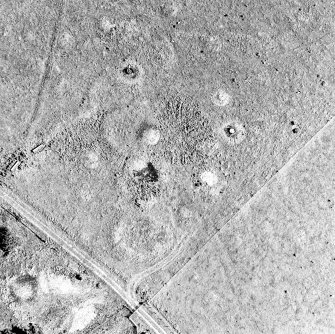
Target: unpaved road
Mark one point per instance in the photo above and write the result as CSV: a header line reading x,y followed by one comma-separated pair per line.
x,y
43,225
137,278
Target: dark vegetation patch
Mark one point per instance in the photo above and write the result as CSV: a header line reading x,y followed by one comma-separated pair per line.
x,y
7,241
31,329
9,161
142,295
185,130
148,174
27,279
78,277
145,184
71,141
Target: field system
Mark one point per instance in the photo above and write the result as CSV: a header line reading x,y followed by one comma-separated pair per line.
x,y
167,166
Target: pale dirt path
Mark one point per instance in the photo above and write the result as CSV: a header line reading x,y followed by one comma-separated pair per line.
x,y
137,278
47,69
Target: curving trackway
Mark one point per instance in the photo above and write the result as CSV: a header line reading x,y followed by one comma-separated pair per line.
x,y
137,278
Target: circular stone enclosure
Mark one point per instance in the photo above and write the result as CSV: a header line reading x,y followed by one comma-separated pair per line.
x,y
232,132
130,72
146,237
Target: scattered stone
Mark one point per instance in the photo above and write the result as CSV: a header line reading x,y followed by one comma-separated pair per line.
x,y
209,178
138,165
221,98
106,25
67,41
232,132
130,72
151,136
92,160
24,287
187,130
6,241
185,212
